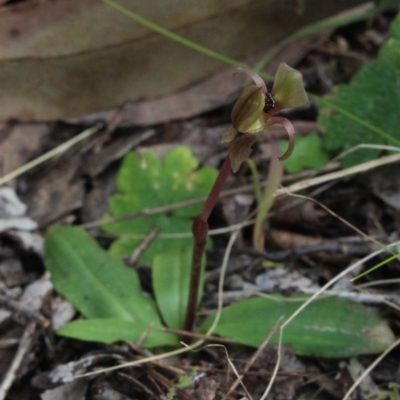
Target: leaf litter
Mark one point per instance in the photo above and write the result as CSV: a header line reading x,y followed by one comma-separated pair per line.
x,y
376,219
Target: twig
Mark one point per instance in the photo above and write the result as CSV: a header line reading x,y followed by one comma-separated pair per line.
x,y
17,308
352,246
293,188
151,235
239,377
5,343
254,357
23,347
365,297
138,383
198,335
370,368
305,304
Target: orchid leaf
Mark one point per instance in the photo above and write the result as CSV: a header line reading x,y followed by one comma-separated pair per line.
x,y
328,327
100,287
109,330
171,273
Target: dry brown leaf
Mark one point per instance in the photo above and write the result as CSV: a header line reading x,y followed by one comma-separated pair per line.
x,y
73,57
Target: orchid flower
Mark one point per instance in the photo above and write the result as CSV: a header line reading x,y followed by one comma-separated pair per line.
x,y
254,111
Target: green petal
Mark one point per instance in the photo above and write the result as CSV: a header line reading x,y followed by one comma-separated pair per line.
x,y
288,90
247,111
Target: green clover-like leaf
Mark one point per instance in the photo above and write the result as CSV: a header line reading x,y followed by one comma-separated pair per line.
x,y
145,182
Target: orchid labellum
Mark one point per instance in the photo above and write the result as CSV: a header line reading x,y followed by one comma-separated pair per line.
x,y
254,112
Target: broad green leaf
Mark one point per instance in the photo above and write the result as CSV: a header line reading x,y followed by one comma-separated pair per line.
x,y
372,95
328,327
171,273
308,153
97,284
145,182
109,330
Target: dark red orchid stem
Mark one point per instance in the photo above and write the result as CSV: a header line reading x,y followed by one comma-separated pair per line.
x,y
200,232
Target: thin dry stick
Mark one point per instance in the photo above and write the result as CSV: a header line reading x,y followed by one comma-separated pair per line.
x,y
306,183
136,382
365,146
295,187
254,357
224,267
134,258
351,226
182,235
23,348
17,308
198,335
50,154
380,298
239,378
304,305
370,368
5,343
379,282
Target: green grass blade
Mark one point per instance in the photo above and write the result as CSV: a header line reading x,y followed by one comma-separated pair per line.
x,y
173,36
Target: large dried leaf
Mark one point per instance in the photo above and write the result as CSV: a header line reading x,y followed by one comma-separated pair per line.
x,y
66,58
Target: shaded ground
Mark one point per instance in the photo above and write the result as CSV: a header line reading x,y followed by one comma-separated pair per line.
x,y
313,244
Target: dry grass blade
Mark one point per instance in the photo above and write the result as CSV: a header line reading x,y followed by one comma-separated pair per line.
x,y
369,369
304,184
23,348
239,378
50,154
304,305
296,187
254,357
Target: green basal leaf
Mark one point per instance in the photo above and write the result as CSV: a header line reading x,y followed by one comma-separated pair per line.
x,y
171,273
328,327
308,153
145,182
97,284
109,330
372,95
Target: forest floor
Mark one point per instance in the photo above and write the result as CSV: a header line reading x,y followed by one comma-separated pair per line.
x,y
312,242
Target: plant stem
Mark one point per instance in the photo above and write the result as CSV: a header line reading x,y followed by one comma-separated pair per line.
x,y
200,232
274,179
